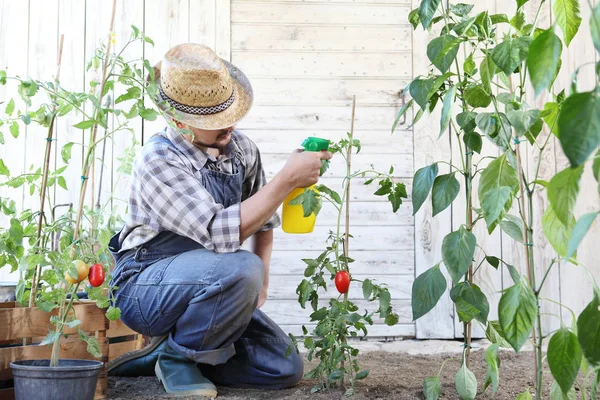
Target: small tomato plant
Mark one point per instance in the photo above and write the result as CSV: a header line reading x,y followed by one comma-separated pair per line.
x,y
340,318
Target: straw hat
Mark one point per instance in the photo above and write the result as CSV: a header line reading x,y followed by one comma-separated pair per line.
x,y
200,89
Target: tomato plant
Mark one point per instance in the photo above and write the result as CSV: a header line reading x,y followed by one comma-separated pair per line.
x,y
340,319
484,64
52,249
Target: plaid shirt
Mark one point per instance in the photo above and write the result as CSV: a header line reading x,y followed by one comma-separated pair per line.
x,y
167,194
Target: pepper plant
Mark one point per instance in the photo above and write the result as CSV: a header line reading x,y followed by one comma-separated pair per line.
x,y
489,87
341,318
52,250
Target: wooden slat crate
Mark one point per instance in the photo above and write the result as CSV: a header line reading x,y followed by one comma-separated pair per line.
x,y
17,323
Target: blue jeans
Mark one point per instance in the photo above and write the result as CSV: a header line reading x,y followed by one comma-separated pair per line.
x,y
206,303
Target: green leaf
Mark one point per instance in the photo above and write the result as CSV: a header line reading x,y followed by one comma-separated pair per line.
x,y
469,65
550,116
427,10
66,152
396,196
473,141
2,77
534,131
510,53
113,313
596,167
493,368
133,92
419,90
519,20
579,231
401,112
447,109
52,337
595,27
86,124
414,19
588,331
432,388
465,27
466,120
461,9
367,288
466,383
495,335
427,290
458,248
470,302
498,174
331,193
556,232
10,107
14,129
556,393
484,22
493,203
3,169
567,17
487,70
493,261
445,190
526,395
517,311
513,227
62,182
543,60
74,323
362,375
521,3
564,358
442,51
149,114
476,96
562,192
422,184
522,121
499,18
579,126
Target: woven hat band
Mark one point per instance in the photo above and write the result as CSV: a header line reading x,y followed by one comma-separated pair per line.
x,y
198,110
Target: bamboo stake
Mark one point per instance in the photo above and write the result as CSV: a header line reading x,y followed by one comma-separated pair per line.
x,y
86,167
348,182
44,187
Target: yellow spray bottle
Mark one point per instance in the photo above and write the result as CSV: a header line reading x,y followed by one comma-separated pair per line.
x,y
293,219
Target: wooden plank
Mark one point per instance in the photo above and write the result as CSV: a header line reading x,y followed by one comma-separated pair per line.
x,y
429,231
374,331
320,37
68,349
118,328
117,349
366,262
396,2
319,118
20,323
368,214
288,312
325,13
168,24
382,238
323,64
7,394
203,22
373,143
284,286
402,163
327,91
223,29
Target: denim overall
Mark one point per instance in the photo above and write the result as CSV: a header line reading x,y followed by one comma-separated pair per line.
x,y
205,301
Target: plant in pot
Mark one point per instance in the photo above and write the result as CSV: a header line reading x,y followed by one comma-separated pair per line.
x,y
501,55
340,318
56,256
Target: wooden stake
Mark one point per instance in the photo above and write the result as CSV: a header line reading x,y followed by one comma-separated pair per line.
x,y
349,163
86,167
44,187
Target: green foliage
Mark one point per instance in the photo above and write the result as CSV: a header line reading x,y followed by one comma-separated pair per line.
x,y
445,190
588,330
422,184
557,233
564,358
426,291
432,388
543,61
517,311
470,302
567,17
579,126
466,383
458,249
492,360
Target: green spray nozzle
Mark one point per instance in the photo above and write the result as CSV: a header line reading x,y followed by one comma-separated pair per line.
x,y
315,144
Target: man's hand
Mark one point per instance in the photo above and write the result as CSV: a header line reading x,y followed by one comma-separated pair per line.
x,y
262,297
303,167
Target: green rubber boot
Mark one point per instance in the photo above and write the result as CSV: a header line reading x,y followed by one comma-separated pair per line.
x,y
180,375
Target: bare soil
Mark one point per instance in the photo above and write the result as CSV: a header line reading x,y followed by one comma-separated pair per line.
x,y
392,376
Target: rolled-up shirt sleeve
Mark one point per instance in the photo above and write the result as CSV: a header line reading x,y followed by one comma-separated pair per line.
x,y
175,200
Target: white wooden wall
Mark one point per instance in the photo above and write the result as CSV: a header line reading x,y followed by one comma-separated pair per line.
x,y
305,60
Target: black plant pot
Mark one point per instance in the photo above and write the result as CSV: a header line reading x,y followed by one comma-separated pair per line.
x,y
71,380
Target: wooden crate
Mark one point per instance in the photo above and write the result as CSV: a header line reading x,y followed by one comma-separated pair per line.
x,y
17,323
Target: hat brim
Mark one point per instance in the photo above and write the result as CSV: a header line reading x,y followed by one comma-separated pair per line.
x,y
244,97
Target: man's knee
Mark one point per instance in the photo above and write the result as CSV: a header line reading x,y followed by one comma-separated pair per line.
x,y
249,271
291,370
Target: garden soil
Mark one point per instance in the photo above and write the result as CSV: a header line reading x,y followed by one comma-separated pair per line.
x,y
392,376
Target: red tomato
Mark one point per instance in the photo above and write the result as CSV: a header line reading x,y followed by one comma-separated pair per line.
x,y
96,276
342,281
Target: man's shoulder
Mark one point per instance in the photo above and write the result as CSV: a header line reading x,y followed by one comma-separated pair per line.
x,y
158,149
